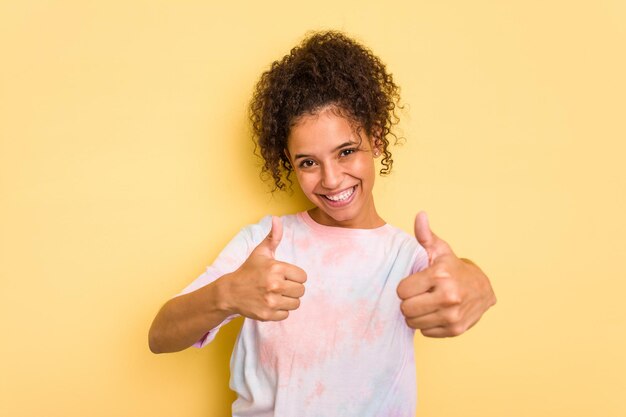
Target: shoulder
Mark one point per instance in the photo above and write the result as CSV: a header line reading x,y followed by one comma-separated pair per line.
x,y
256,232
408,244
400,237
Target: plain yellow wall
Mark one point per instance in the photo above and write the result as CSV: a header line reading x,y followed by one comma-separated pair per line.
x,y
126,164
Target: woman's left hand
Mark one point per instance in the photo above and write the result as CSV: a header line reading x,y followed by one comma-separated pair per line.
x,y
450,295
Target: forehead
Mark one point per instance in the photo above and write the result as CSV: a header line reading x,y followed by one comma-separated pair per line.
x,y
324,129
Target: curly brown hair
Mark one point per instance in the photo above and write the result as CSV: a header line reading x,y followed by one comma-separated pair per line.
x,y
326,69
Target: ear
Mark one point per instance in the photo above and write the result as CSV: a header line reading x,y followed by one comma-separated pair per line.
x,y
286,152
376,143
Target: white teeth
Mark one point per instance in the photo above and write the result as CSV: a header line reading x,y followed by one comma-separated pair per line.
x,y
344,195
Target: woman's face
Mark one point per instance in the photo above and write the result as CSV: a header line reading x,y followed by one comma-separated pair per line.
x,y
335,170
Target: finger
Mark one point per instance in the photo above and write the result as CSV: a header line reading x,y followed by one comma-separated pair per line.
x,y
277,315
442,323
415,284
426,322
437,332
420,306
292,289
294,273
289,303
445,331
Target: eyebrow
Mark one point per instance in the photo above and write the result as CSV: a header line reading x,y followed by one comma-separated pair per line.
x,y
343,145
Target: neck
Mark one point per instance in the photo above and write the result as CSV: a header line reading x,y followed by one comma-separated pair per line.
x,y
366,221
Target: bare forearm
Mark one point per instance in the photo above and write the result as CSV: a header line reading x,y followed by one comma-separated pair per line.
x,y
262,288
183,320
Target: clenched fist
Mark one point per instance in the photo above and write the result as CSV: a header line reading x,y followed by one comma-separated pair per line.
x,y
263,288
450,295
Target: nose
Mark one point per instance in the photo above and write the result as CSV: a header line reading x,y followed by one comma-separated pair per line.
x,y
332,176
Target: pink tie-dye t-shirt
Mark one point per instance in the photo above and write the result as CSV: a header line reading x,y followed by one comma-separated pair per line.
x,y
346,351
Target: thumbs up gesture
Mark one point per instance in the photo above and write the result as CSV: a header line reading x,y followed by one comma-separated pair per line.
x,y
263,288
450,295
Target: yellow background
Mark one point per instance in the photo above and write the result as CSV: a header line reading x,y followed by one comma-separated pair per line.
x,y
126,164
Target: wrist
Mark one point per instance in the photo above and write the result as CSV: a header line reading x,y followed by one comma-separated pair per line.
x,y
487,290
222,295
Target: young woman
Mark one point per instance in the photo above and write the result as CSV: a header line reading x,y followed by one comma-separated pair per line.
x,y
331,296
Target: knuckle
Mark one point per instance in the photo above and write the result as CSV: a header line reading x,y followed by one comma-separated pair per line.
x,y
441,272
452,318
404,308
273,286
270,302
456,330
451,297
276,268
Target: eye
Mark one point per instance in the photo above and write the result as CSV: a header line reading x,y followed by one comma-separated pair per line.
x,y
306,163
346,152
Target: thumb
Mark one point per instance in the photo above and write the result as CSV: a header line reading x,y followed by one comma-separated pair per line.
x,y
424,235
274,237
434,246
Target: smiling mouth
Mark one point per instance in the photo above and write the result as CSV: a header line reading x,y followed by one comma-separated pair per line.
x,y
341,196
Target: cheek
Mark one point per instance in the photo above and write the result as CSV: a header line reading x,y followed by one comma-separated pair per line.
x,y
306,182
365,167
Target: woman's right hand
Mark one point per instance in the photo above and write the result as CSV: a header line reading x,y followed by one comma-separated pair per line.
x,y
263,288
